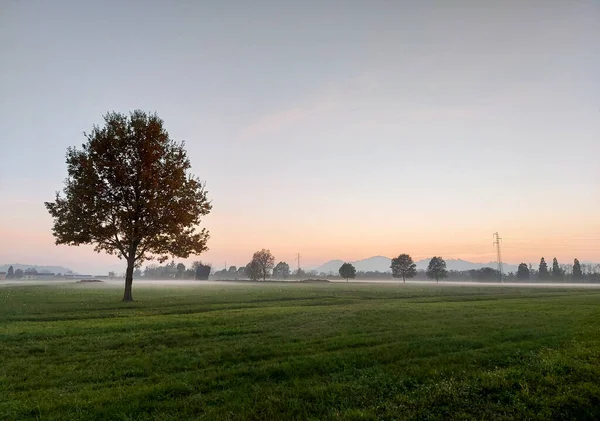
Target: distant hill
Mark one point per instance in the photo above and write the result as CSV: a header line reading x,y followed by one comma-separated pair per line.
x,y
41,269
382,264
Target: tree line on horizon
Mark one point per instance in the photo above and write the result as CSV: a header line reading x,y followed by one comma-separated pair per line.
x,y
262,267
130,192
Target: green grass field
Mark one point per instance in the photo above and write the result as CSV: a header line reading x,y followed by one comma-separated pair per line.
x,y
284,352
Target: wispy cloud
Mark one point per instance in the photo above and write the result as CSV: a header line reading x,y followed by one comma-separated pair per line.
x,y
328,99
278,120
352,94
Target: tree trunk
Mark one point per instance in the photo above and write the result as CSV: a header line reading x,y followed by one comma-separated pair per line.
x,y
404,279
127,296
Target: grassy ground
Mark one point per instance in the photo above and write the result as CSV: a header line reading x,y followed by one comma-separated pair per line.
x,y
319,352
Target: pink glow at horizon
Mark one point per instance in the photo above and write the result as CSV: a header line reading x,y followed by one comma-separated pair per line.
x,y
35,245
377,128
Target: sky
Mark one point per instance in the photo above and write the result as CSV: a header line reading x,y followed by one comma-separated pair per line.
x,y
333,129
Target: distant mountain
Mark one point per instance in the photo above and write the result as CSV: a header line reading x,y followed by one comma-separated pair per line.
x,y
461,265
331,266
382,264
41,269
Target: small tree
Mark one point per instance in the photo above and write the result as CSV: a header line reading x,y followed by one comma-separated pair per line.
x,y
403,267
577,272
201,271
347,271
281,271
523,272
253,270
557,272
19,274
437,269
263,261
129,192
543,270
11,273
180,270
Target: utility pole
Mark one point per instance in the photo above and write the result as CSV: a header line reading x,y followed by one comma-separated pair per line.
x,y
298,260
497,240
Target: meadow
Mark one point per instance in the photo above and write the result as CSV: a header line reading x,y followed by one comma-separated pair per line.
x,y
299,352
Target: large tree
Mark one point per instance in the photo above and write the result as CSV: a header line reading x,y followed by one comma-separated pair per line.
x,y
281,271
403,267
261,265
129,192
437,269
11,273
523,272
347,271
577,272
543,270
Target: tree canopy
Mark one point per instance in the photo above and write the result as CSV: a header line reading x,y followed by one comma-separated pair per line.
x,y
403,267
129,192
437,269
281,271
523,272
201,271
347,271
557,271
577,272
543,270
261,265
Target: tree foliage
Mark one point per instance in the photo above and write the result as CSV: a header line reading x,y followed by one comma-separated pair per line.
x,y
557,271
543,273
231,273
347,271
523,272
11,273
252,270
485,274
19,274
260,266
437,269
403,267
129,193
281,271
201,271
180,270
577,272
